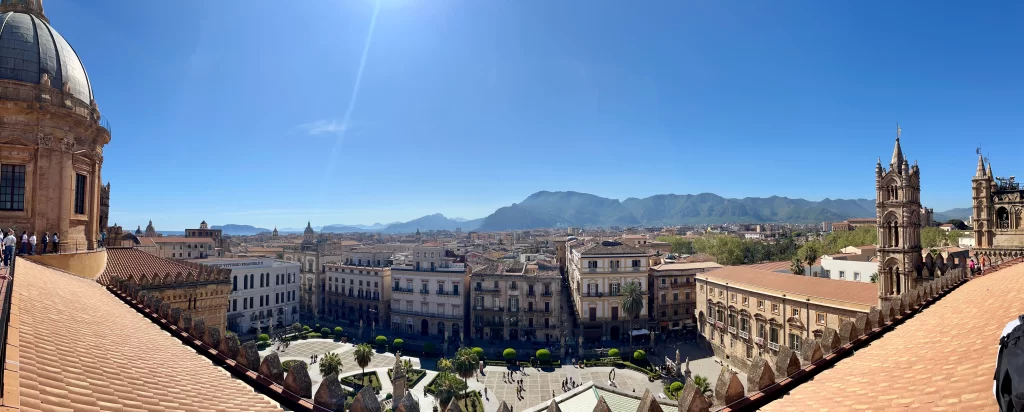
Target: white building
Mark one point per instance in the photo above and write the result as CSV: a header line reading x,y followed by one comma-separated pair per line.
x,y
597,272
264,291
853,263
428,293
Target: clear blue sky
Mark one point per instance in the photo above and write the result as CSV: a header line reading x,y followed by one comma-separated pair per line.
x,y
243,111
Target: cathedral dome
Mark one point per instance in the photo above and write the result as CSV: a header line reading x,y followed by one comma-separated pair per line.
x,y
30,48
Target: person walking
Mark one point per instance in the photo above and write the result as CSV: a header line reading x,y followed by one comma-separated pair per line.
x,y
46,240
32,244
9,242
24,242
56,243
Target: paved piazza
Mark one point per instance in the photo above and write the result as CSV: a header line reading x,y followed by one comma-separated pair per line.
x,y
538,383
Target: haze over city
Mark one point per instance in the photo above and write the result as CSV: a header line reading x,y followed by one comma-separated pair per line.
x,y
463,107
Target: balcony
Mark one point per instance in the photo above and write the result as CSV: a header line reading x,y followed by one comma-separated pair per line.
x,y
744,335
425,314
531,293
594,294
447,293
759,341
773,346
720,325
486,290
546,294
402,290
490,309
711,321
636,268
732,329
424,292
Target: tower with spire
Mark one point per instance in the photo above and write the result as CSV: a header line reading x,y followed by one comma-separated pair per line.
x,y
982,185
898,204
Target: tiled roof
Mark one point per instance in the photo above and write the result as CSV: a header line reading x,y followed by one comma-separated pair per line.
x,y
373,249
685,266
771,266
126,262
181,239
853,292
941,359
82,349
609,248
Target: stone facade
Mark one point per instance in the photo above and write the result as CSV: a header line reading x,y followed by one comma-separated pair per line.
x,y
597,271
357,293
428,293
516,301
673,293
998,207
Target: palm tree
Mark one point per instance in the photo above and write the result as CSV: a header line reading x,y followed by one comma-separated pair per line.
x,y
466,363
632,304
331,363
702,385
797,266
363,354
444,365
810,255
446,388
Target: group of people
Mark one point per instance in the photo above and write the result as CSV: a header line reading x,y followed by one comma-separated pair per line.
x,y
313,359
510,377
28,244
568,383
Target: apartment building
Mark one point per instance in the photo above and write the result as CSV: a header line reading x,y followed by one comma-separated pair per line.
x,y
378,255
673,298
516,301
428,298
178,247
264,292
597,272
357,293
745,312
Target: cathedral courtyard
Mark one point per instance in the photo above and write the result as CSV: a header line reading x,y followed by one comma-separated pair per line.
x,y
538,383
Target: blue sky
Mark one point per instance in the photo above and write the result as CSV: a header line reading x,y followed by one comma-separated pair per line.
x,y
243,111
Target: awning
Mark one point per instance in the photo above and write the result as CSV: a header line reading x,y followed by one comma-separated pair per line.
x,y
638,332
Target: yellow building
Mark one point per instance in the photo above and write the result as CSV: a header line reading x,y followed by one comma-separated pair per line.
x,y
597,272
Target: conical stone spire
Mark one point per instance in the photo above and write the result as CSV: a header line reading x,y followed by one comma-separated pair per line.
x,y
990,170
981,166
897,153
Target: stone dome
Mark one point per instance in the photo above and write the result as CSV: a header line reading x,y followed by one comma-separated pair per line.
x,y
30,47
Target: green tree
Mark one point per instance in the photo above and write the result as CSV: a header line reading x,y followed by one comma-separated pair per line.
x,y
446,386
614,352
703,385
632,304
337,331
363,355
330,363
509,354
809,252
381,341
445,365
397,344
325,332
932,237
543,354
479,352
263,337
674,388
680,245
466,364
796,266
874,278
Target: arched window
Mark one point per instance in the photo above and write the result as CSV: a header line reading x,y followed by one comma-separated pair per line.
x,y
1002,219
234,283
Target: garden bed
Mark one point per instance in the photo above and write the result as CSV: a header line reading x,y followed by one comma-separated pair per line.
x,y
357,381
413,376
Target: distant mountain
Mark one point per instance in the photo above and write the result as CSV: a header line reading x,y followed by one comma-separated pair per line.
x,y
435,221
240,230
560,209
961,213
340,228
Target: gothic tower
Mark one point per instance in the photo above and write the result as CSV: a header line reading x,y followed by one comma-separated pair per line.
x,y
898,194
981,215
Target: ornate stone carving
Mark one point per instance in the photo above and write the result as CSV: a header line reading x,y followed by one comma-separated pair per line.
x,y
45,141
67,144
44,80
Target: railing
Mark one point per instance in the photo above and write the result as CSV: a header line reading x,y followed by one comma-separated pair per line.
x,y
491,309
5,314
744,335
402,290
486,290
531,293
592,270
546,294
637,268
427,314
773,346
732,329
424,291
759,341
711,321
594,294
720,325
446,293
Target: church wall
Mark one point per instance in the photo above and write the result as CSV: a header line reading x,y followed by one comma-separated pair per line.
x,y
88,265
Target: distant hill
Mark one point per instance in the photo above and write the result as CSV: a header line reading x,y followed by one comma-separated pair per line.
x,y
961,213
435,221
561,209
240,230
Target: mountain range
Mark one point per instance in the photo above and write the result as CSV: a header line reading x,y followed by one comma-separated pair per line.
x,y
546,209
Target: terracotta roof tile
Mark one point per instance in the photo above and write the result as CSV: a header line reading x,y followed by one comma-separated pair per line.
x,y
853,292
942,357
82,349
126,262
770,266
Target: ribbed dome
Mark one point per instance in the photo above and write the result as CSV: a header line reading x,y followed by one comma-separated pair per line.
x,y
29,47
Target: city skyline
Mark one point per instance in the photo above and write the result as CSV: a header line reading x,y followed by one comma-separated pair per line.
x,y
494,101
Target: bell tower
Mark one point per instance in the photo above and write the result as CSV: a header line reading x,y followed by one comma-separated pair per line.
x,y
981,214
898,204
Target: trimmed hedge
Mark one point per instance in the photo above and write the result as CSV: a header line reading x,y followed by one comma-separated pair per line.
x,y
543,354
614,353
509,354
263,337
479,352
639,355
287,365
325,332
397,344
381,340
